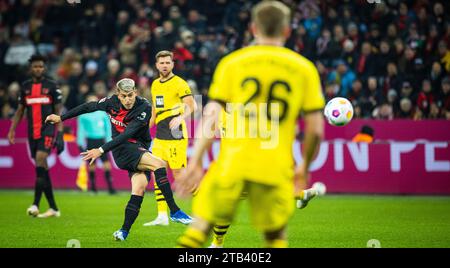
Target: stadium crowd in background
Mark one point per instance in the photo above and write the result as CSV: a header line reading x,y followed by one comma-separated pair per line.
x,y
391,59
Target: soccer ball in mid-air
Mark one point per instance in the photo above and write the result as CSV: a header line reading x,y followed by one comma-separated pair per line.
x,y
338,111
320,188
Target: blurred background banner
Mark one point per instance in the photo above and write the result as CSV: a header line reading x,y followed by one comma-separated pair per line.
x,y
406,157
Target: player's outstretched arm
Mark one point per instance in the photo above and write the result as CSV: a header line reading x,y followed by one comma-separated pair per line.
x,y
85,108
133,127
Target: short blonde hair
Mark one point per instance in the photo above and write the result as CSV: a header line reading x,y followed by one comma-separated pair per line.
x,y
271,17
126,85
163,54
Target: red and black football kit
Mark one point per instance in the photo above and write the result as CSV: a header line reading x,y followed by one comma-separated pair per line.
x,y
130,129
40,99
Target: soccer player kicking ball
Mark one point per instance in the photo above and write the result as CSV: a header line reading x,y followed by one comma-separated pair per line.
x,y
129,115
40,97
266,85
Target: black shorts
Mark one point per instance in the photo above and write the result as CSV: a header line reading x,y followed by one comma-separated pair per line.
x,y
128,155
44,144
96,143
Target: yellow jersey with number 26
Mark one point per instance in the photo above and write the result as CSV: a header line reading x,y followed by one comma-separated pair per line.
x,y
264,89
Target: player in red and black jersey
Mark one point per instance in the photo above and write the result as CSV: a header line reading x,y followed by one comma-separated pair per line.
x,y
130,116
40,97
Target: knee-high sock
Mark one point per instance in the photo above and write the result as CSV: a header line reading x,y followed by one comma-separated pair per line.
x,y
192,238
276,243
160,200
132,211
48,191
219,232
163,184
39,185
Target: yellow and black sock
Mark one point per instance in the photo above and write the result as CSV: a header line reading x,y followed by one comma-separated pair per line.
x,y
160,200
219,232
192,238
164,185
276,243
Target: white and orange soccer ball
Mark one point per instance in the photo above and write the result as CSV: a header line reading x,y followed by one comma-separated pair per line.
x,y
338,111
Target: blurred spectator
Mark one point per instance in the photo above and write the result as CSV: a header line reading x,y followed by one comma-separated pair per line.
x,y
397,43
392,99
425,98
407,90
436,76
385,111
365,64
435,112
91,75
444,55
374,97
113,74
73,81
122,25
128,46
444,96
344,77
313,22
356,92
392,80
406,109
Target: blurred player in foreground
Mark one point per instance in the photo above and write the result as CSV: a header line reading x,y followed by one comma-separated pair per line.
x,y
40,96
129,115
266,86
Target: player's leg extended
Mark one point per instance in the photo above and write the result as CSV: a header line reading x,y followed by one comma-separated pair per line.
x,y
46,185
271,207
159,150
198,231
195,235
138,184
221,229
216,202
276,239
150,162
162,218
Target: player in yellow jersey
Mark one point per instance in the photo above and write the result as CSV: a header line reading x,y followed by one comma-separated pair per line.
x,y
172,103
220,229
267,87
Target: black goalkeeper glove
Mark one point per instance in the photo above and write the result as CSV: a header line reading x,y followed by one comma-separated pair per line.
x,y
59,142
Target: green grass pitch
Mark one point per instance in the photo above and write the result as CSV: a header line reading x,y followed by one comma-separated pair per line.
x,y
328,221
